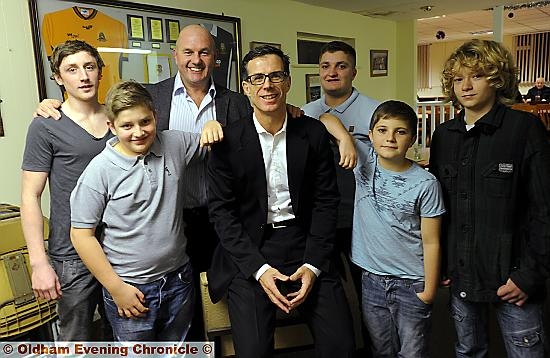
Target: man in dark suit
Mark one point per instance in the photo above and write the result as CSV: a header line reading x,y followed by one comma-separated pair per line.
x,y
273,199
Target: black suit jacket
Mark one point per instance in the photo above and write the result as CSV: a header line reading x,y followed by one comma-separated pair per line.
x,y
229,105
237,191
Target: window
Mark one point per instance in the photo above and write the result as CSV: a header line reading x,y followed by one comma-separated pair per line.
x,y
423,70
532,54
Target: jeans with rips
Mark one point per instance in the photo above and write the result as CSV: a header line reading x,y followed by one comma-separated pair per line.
x,y
170,300
521,327
399,323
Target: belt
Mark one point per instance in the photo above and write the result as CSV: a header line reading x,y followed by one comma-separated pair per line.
x,y
282,224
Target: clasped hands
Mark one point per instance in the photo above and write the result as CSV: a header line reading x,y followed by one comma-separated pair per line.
x,y
269,279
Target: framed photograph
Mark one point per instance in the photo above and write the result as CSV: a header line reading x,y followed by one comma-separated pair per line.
x,y
172,30
313,87
378,63
125,34
254,44
135,28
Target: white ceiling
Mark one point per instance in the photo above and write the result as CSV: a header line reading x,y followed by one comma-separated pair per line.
x,y
459,19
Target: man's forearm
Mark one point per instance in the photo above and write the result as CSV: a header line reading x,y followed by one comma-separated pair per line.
x,y
32,223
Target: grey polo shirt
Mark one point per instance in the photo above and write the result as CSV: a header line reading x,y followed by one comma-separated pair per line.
x,y
138,199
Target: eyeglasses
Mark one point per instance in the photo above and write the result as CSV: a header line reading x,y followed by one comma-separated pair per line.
x,y
274,77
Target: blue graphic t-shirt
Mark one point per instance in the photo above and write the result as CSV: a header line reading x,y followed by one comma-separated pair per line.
x,y
388,208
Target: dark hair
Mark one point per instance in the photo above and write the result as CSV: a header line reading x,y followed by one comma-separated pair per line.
x,y
70,47
263,51
395,109
335,46
126,95
488,57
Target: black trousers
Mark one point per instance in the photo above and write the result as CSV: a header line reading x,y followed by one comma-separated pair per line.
x,y
325,310
201,242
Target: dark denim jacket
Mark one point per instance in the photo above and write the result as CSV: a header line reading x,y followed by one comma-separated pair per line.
x,y
496,187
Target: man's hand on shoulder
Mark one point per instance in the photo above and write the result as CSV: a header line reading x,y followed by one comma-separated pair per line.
x,y
307,278
48,108
294,112
268,280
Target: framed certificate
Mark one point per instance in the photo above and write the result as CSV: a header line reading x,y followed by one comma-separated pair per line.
x,y
155,29
135,27
172,30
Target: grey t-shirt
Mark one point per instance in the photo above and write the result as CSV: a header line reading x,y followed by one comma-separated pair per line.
x,y
62,149
389,206
139,202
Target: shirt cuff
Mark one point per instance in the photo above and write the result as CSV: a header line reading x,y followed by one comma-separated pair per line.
x,y
315,270
261,271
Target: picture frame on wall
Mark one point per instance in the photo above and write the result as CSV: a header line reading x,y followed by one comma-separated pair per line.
x,y
313,87
136,30
125,34
154,27
172,30
378,63
254,44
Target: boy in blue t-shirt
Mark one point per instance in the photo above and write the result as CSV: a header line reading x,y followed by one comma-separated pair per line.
x,y
396,230
133,190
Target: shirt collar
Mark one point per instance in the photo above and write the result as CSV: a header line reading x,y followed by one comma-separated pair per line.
x,y
126,162
179,87
261,129
488,122
341,108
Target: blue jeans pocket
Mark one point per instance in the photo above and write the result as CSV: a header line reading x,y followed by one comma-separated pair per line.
x,y
418,287
526,339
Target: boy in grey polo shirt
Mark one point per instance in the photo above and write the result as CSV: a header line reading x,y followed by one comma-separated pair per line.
x,y
133,189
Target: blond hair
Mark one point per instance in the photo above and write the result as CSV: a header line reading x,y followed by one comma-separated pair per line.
x,y
490,58
126,95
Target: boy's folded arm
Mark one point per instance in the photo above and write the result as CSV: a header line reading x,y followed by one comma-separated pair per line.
x,y
346,144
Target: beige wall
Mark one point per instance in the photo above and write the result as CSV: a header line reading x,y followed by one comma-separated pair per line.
x,y
440,52
261,20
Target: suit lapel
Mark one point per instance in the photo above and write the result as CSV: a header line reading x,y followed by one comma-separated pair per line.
x,y
252,157
222,105
296,156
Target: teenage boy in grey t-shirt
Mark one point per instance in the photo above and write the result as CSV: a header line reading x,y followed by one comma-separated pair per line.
x,y
134,189
57,152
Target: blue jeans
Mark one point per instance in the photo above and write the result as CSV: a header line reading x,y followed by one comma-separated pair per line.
x,y
398,322
81,296
521,327
170,300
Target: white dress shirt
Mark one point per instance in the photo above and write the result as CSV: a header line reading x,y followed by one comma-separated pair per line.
x,y
279,207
